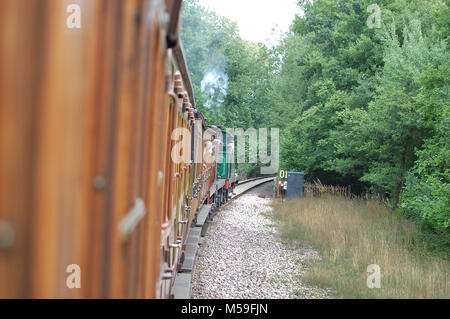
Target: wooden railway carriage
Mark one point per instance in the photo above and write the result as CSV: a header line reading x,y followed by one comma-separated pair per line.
x,y
210,157
88,120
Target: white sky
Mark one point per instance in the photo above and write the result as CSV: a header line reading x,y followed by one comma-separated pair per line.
x,y
257,18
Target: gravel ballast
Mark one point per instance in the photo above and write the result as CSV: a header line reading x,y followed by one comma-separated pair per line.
x,y
242,256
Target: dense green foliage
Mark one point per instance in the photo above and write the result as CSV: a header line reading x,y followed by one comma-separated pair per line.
x,y
355,105
241,69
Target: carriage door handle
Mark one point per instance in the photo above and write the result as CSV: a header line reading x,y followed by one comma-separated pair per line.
x,y
132,219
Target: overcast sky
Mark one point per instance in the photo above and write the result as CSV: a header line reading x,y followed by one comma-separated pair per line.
x,y
257,18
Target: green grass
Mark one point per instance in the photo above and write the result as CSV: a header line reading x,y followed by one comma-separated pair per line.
x,y
352,234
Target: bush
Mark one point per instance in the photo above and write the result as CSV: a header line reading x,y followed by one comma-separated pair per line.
x,y
427,201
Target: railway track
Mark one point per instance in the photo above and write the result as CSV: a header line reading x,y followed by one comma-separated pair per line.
x,y
245,186
182,286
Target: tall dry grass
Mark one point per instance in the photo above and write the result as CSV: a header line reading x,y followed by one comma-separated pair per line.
x,y
352,234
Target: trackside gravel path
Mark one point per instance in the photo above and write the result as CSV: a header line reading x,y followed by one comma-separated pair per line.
x,y
242,256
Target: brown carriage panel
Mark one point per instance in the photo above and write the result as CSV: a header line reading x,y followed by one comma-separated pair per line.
x,y
124,189
20,63
187,187
159,140
177,200
164,195
165,222
209,159
168,223
62,159
175,182
179,189
155,124
141,164
138,251
102,103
